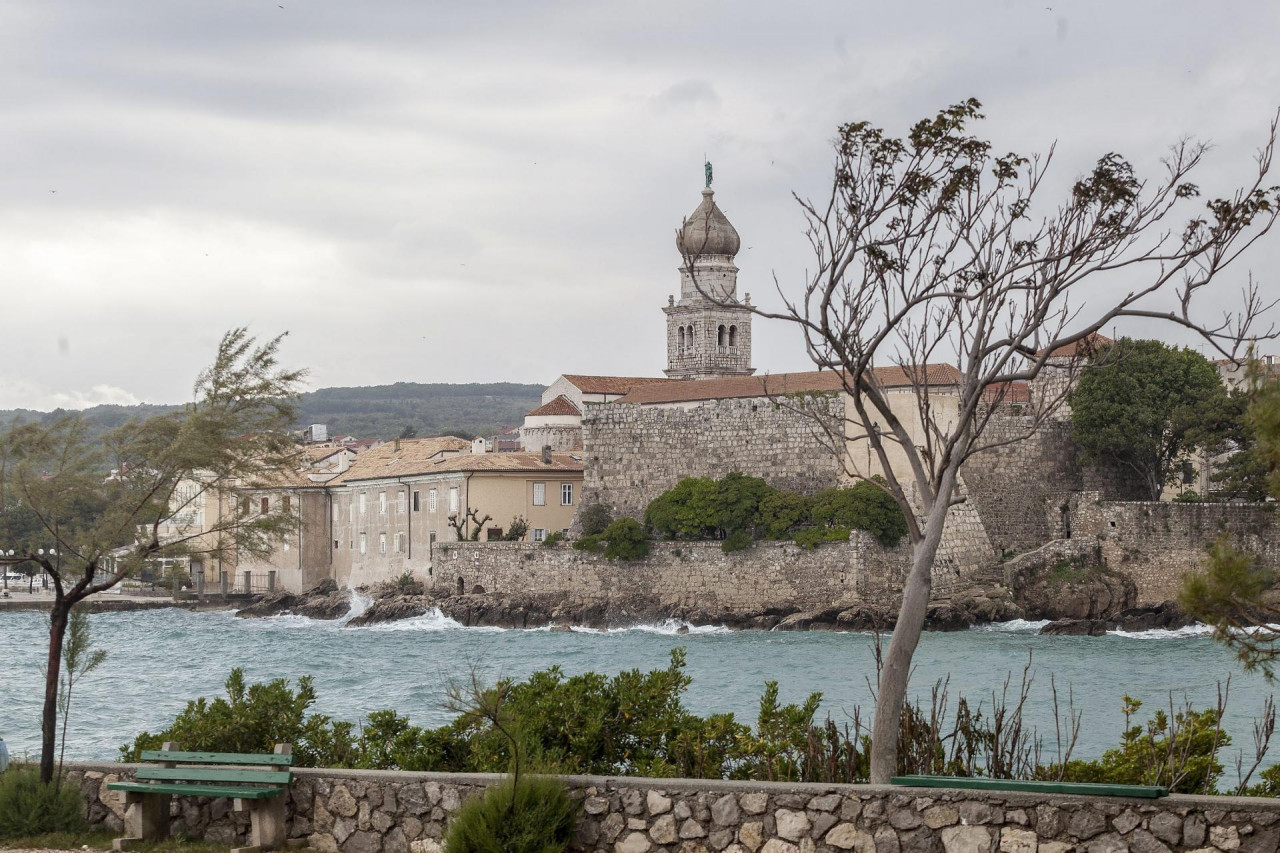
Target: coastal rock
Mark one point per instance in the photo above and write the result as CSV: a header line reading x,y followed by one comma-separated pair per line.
x,y
324,601
391,610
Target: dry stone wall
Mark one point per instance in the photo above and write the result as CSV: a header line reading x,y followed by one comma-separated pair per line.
x,y
1157,542
337,811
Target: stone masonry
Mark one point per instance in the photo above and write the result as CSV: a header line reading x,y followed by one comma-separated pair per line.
x,y
353,811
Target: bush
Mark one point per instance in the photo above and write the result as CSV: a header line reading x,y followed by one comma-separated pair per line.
x,y
554,538
739,540
594,518
689,510
591,544
627,540
516,530
29,807
533,816
863,506
812,537
1190,496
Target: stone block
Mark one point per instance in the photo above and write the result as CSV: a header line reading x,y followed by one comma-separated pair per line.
x,y
1085,823
725,812
1109,843
633,843
658,803
1142,841
1194,831
967,839
777,845
825,803
751,835
1126,822
791,825
692,829
1224,837
1017,840
936,817
663,830
754,803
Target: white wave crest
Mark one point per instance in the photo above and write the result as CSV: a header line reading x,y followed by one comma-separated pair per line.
x,y
1196,630
359,604
673,627
1012,626
431,621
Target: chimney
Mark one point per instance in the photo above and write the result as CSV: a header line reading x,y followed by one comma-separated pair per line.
x,y
546,454
397,446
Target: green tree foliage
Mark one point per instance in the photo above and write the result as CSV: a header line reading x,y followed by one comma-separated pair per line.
x,y
689,510
533,815
625,539
79,658
1234,595
30,807
865,505
1142,405
594,518
516,530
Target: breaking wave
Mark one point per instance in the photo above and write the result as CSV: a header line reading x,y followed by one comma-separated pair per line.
x,y
1013,626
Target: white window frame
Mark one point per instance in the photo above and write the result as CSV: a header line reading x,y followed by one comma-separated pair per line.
x,y
539,534
431,500
566,494
362,544
539,494
382,543
382,503
363,505
399,543
400,503
454,503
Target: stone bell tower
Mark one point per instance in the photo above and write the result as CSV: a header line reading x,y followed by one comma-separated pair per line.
x,y
708,329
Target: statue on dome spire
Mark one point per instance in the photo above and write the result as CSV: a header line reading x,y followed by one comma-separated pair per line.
x,y
706,167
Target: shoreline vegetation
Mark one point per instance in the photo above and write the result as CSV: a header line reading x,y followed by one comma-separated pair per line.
x,y
634,723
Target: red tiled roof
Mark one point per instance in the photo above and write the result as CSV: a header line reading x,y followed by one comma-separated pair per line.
x,y
692,390
507,462
1007,392
401,458
611,384
1082,348
559,406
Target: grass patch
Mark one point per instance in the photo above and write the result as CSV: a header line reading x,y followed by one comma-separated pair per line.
x,y
101,840
1069,570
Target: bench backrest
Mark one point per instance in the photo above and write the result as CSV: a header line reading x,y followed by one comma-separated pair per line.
x,y
268,769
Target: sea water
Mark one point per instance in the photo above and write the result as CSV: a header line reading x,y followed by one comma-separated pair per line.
x,y
160,659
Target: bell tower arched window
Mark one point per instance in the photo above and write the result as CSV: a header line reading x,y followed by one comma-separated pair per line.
x,y
733,336
680,340
721,337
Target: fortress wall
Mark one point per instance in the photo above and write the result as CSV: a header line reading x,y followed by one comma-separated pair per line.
x,y
1157,542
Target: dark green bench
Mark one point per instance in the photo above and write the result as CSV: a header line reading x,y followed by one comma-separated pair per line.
x,y
1090,789
255,782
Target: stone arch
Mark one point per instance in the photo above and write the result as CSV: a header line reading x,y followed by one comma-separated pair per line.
x,y
680,340
733,336
722,336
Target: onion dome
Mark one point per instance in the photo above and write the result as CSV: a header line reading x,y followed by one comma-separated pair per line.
x,y
707,231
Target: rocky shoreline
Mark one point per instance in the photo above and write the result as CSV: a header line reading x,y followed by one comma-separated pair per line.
x,y
1102,605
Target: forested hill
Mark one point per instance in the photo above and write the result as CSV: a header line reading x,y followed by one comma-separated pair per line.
x,y
374,411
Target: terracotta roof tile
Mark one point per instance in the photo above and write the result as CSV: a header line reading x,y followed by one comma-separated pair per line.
x,y
692,390
559,406
1082,348
611,384
509,462
412,456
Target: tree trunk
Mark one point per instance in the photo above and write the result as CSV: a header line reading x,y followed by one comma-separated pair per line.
x,y
49,719
896,670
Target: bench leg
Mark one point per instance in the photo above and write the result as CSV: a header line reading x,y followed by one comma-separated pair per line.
x,y
146,818
267,823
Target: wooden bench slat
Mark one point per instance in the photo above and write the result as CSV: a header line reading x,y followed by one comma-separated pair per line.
x,y
215,774
240,792
1045,787
178,757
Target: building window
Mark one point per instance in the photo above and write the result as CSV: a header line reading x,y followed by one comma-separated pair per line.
x,y
363,506
539,534
722,337
431,500
382,543
382,503
680,339
399,503
335,544
416,505
539,494
493,534
266,505
244,506
284,503
733,336
362,543
399,543
566,494
453,499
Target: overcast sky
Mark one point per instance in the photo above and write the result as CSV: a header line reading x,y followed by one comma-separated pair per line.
x,y
479,191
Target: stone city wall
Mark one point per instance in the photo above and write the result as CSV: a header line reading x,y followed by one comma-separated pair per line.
x,y
353,811
681,575
635,453
1157,542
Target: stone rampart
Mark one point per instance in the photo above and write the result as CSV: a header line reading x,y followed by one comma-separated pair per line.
x,y
635,453
678,576
1157,542
353,811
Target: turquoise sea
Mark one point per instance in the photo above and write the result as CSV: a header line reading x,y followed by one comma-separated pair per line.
x,y
159,659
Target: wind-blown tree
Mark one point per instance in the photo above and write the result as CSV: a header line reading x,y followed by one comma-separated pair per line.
x,y
932,248
92,512
1144,406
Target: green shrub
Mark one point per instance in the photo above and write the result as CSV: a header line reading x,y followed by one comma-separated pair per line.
x,y
739,540
627,540
591,544
863,506
689,510
536,816
29,807
516,530
594,518
812,537
554,538
781,513
1190,496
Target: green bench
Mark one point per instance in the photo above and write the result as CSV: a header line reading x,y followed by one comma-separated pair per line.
x,y
1090,789
257,783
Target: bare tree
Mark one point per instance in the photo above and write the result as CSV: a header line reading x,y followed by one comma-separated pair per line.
x,y
92,512
939,269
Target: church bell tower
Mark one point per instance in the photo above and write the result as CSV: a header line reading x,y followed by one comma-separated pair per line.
x,y
708,329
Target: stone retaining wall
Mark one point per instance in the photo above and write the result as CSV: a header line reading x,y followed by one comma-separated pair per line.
x,y
1157,542
337,811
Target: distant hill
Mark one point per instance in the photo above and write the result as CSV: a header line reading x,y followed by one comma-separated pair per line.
x,y
374,411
